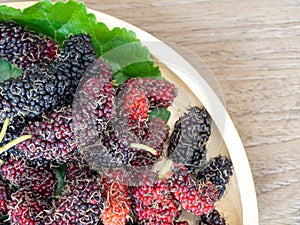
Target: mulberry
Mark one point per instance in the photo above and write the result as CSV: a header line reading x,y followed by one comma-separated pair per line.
x,y
93,105
71,66
28,96
218,171
25,49
194,198
214,218
117,200
133,107
52,136
81,203
153,202
188,140
137,97
27,207
39,179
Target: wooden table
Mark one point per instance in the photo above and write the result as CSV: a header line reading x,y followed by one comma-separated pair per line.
x,y
253,48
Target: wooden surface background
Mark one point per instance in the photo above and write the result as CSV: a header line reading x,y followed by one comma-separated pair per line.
x,y
253,48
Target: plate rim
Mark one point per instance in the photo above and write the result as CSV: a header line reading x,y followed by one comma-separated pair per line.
x,y
230,136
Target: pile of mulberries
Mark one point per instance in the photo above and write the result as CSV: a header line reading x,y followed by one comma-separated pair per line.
x,y
130,123
76,148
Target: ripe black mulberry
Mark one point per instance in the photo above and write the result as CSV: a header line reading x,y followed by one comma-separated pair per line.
x,y
188,140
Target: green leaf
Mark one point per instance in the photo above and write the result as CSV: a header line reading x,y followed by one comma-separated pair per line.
x,y
162,113
7,70
60,173
126,66
59,20
3,218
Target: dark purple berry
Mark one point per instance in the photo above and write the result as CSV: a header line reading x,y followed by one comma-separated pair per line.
x,y
188,140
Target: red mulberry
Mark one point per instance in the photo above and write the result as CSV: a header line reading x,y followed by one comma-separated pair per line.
x,y
160,93
153,202
194,198
117,201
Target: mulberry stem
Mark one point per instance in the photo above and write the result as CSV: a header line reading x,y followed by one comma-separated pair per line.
x,y
14,142
143,147
4,128
166,168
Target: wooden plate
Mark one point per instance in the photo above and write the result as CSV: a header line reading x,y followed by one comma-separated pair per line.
x,y
239,205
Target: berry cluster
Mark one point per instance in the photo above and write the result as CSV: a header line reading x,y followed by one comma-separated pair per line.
x,y
73,144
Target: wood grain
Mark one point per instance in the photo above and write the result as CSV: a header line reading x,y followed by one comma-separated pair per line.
x,y
253,48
